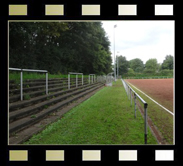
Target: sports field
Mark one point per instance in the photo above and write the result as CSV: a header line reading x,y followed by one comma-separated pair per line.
x,y
160,104
160,90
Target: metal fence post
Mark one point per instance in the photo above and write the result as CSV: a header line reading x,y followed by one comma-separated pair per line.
x,y
131,96
145,117
68,81
47,83
135,104
21,85
82,79
76,80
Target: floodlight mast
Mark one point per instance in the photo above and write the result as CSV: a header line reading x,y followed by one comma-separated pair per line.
x,y
114,54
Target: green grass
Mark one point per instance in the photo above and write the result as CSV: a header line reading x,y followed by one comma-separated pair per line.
x,y
31,75
105,118
161,118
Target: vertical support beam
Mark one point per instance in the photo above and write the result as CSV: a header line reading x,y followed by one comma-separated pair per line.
x,y
131,96
21,85
82,79
89,79
92,78
135,105
68,81
47,83
76,80
145,118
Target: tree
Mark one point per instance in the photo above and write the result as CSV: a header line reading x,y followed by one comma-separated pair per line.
x,y
131,72
123,65
151,64
60,47
168,62
137,65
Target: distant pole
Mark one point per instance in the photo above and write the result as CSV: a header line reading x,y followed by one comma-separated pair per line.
x,y
117,67
114,54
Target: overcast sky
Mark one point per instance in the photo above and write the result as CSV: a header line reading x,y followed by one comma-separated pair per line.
x,y
141,39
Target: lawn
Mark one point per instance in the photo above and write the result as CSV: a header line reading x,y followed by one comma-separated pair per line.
x,y
105,118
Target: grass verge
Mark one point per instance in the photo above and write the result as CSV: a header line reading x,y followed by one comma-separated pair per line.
x,y
105,118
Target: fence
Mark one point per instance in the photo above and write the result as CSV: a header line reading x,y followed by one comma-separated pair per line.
x,y
160,119
109,79
72,73
130,92
92,78
101,78
21,78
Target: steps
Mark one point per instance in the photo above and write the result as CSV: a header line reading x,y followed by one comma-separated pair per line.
x,y
32,91
24,114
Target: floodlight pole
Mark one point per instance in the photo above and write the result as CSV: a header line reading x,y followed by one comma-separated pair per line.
x,y
117,67
114,56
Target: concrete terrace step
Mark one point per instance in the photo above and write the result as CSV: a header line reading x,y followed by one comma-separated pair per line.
x,y
34,88
37,127
15,98
20,104
27,121
34,83
35,108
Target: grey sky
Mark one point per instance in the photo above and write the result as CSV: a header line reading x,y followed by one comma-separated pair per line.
x,y
141,39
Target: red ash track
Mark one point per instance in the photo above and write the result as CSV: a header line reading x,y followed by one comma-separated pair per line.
x,y
160,90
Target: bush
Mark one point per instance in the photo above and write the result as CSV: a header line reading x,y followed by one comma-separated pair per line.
x,y
166,72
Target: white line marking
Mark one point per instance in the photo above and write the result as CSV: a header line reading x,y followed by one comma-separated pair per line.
x,y
152,99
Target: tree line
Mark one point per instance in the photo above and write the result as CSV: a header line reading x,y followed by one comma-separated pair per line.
x,y
136,67
60,47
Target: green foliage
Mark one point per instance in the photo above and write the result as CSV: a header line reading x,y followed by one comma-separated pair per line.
x,y
123,65
166,72
131,72
27,97
33,116
59,47
168,62
137,65
151,66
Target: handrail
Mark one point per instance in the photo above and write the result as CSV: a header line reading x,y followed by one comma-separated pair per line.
x,y
75,73
71,73
93,78
31,70
129,89
21,78
16,69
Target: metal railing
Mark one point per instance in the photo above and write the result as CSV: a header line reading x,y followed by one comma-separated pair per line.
x,y
92,78
72,73
129,92
101,78
21,78
109,78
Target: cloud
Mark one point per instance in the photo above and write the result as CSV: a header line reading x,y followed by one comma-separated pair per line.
x,y
142,39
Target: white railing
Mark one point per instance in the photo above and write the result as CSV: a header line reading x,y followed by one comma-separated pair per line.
x,y
129,92
21,78
72,73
